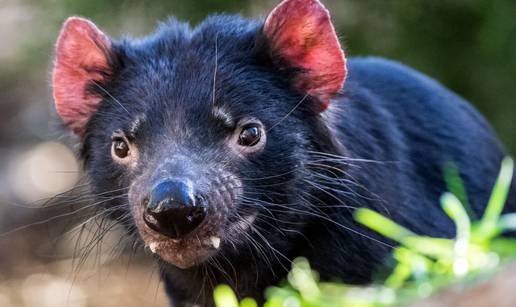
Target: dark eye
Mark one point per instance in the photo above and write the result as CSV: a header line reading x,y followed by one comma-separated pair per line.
x,y
120,148
250,135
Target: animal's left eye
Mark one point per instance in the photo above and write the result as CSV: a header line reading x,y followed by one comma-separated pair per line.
x,y
250,135
120,148
123,151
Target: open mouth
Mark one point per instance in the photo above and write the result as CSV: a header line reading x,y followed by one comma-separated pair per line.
x,y
181,251
198,246
185,253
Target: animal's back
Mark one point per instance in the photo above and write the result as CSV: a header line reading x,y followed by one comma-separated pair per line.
x,y
415,127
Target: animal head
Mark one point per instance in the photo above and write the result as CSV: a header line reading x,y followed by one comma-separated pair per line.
x,y
207,129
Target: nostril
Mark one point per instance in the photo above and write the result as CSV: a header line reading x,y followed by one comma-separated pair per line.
x,y
172,209
197,213
151,221
177,222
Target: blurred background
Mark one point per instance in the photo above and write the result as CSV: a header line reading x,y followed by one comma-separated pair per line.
x,y
469,45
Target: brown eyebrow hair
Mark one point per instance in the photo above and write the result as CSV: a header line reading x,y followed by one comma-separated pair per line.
x,y
136,124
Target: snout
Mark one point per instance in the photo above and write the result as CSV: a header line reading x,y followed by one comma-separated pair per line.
x,y
182,213
173,208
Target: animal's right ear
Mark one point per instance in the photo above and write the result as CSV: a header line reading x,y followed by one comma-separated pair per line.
x,y
82,61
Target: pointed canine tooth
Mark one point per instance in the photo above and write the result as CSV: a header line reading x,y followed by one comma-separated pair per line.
x,y
153,246
215,242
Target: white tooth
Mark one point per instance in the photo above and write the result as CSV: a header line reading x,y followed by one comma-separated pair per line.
x,y
215,241
153,246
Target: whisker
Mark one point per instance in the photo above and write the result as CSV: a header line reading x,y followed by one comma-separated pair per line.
x,y
111,96
56,217
289,113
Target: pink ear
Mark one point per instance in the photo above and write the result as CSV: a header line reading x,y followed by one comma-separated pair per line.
x,y
301,33
81,60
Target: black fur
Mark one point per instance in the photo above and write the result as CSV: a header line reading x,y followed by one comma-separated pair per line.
x,y
395,127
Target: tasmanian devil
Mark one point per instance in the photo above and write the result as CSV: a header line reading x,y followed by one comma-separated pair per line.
x,y
236,146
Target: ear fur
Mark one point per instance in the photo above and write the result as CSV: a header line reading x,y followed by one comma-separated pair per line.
x,y
301,34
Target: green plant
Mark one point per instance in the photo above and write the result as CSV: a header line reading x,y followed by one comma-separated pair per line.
x,y
424,264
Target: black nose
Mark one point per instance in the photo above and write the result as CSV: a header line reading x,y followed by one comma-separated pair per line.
x,y
172,209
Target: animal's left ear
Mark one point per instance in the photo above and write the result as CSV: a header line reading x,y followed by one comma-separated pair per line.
x,y
301,36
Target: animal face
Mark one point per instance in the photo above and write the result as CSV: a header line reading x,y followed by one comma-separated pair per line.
x,y
208,130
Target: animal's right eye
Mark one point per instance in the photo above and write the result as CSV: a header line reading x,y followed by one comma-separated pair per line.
x,y
120,148
250,135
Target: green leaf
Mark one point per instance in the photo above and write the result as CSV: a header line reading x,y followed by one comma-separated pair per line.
x,y
497,200
403,270
456,187
248,302
225,297
431,247
382,225
458,214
